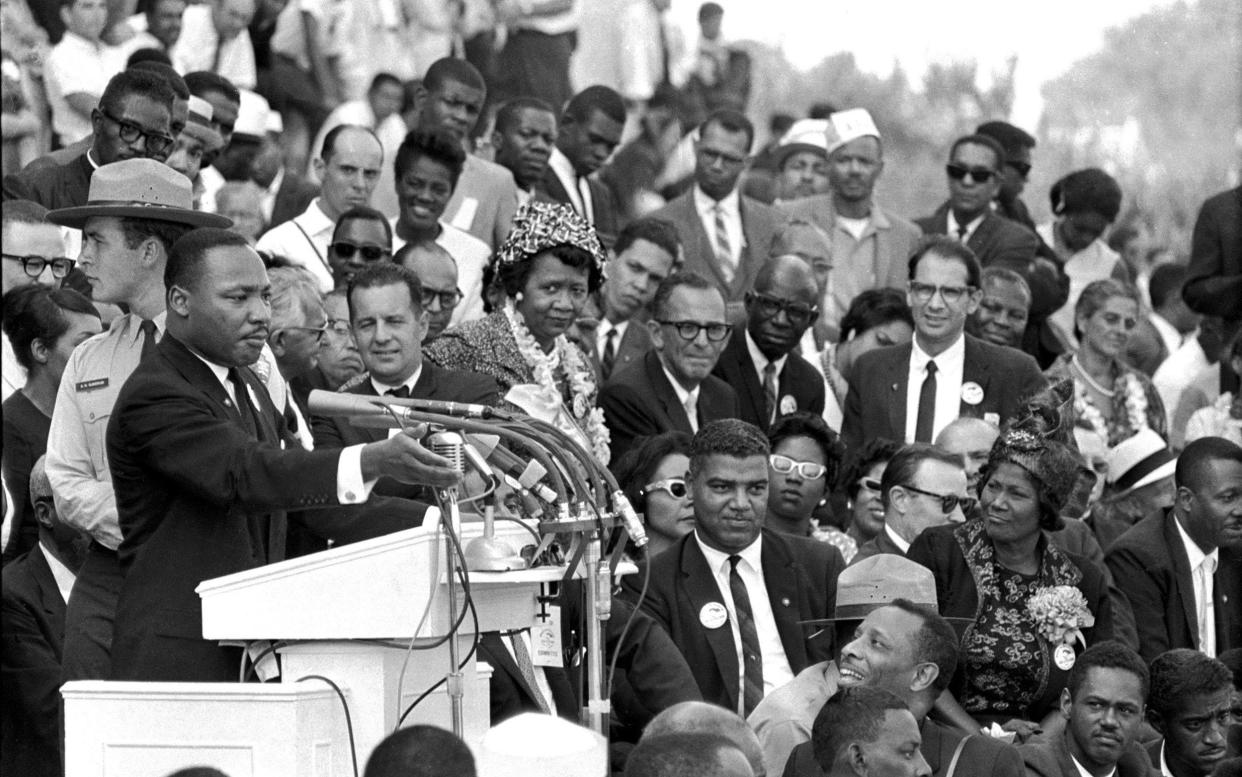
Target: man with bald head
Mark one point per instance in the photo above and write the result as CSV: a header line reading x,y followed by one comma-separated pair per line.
x,y
811,244
971,438
759,363
698,717
437,271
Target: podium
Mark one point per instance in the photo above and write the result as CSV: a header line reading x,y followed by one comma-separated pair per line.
x,y
346,614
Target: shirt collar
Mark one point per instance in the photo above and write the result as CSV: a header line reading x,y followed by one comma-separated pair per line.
x,y
131,325
731,202
718,560
970,228
896,538
409,383
1083,772
563,168
951,356
220,371
678,389
314,219
63,576
1164,765
1194,554
274,187
761,361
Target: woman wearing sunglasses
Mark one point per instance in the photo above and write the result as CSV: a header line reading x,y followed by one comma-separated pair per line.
x,y
988,569
862,487
802,470
653,476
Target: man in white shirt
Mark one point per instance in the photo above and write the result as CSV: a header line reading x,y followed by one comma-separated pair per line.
x,y
214,36
78,69
1189,705
922,486
349,170
25,236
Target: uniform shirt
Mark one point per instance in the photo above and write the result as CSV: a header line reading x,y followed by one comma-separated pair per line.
x,y
304,240
949,367
776,669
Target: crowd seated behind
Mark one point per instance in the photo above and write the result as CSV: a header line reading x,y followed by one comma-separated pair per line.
x,y
952,492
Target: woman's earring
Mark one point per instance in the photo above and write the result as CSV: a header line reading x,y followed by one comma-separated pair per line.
x,y
517,298
823,502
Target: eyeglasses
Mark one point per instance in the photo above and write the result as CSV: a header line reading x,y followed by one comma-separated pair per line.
x,y
318,332
448,299
977,174
808,470
923,292
34,265
1021,168
676,487
799,313
338,326
871,484
156,143
370,253
948,502
689,330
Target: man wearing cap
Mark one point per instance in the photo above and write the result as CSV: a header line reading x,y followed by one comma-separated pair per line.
x,y
801,161
141,208
913,489
894,639
196,140
1140,473
870,244
133,120
1168,564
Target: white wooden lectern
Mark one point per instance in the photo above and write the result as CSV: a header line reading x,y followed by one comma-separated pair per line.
x,y
339,614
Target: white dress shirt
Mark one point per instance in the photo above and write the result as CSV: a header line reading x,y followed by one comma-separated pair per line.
x,y
949,367
77,66
1083,772
578,189
761,362
1168,333
731,205
1202,569
896,538
776,669
196,49
970,228
304,241
63,575
601,335
688,399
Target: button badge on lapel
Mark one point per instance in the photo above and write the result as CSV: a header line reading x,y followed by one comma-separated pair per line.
x,y
785,601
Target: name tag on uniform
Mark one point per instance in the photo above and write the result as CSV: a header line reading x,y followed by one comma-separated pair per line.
x,y
91,385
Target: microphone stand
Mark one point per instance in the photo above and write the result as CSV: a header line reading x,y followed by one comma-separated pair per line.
x,y
449,445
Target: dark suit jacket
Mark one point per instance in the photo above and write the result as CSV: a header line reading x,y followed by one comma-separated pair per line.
x,y
1150,565
1052,759
798,379
52,186
639,401
634,345
511,694
760,225
876,403
199,497
981,757
1214,276
32,632
801,577
881,543
605,217
293,197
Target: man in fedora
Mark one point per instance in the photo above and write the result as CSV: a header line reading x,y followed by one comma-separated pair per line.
x,y
900,644
136,210
1140,483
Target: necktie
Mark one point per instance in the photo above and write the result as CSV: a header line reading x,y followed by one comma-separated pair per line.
x,y
724,250
961,234
522,656
609,357
692,411
927,406
752,655
1206,616
400,392
769,392
148,339
584,193
241,396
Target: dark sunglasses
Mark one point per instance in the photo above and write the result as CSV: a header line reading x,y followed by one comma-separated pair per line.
x,y
947,501
676,487
799,313
1022,168
977,174
33,265
370,253
130,132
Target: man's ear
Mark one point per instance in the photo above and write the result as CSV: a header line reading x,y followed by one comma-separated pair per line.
x,y
924,675
1067,702
657,335
43,511
857,759
179,301
39,350
277,341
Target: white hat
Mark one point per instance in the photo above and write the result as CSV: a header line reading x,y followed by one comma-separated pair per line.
x,y
844,126
275,123
252,115
536,745
1140,460
804,135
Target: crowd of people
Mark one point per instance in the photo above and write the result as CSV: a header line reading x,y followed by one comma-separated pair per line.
x,y
947,495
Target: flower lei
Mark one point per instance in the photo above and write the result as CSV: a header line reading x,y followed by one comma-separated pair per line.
x,y
1130,399
1060,613
589,419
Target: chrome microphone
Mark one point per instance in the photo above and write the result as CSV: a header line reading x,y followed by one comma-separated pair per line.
x,y
451,446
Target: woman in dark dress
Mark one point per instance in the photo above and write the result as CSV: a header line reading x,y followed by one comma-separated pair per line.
x,y
989,568
44,325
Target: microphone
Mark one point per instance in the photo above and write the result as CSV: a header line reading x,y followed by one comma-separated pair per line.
x,y
518,473
450,445
625,510
331,403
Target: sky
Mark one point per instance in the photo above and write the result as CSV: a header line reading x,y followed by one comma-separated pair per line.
x,y
1047,37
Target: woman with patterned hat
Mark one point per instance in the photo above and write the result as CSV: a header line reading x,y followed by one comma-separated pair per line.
x,y
547,267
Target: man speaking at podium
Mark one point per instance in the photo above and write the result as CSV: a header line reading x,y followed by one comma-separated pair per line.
x,y
201,469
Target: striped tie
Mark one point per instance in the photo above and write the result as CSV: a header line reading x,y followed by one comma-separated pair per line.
x,y
724,250
752,654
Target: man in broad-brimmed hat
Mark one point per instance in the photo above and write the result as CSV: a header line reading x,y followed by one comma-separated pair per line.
x,y
899,643
136,210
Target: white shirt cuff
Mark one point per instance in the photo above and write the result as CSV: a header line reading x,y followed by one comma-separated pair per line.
x,y
350,487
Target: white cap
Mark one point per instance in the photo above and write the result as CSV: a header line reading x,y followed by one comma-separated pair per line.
x,y
201,107
537,745
252,115
844,126
275,123
804,135
1139,460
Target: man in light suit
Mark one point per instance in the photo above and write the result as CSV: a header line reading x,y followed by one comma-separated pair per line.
x,y
896,393
870,245
731,595
770,379
1168,563
644,255
726,236
658,392
485,197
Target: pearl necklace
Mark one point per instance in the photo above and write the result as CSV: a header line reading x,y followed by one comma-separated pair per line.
x,y
1090,380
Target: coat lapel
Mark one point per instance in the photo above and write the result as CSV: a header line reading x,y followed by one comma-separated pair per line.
x,y
749,391
365,389
699,582
897,383
1182,575
780,575
198,375
747,266
702,242
665,395
974,370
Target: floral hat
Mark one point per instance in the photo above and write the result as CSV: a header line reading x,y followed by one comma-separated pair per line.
x,y
1052,463
538,226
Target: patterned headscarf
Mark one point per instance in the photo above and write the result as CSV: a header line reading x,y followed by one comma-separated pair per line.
x,y
539,226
